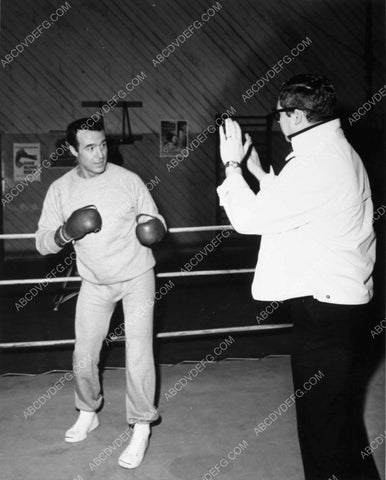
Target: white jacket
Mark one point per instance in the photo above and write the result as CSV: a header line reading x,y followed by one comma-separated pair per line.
x,y
315,219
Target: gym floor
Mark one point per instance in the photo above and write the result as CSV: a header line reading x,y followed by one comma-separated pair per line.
x,y
203,433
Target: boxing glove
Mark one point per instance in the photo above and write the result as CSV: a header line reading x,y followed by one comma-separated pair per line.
x,y
81,222
150,232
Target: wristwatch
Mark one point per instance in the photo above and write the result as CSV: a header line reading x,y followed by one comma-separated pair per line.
x,y
232,164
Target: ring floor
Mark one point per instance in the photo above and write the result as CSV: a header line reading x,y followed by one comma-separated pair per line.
x,y
207,428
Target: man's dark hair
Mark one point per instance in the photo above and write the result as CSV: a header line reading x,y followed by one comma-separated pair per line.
x,y
315,94
86,123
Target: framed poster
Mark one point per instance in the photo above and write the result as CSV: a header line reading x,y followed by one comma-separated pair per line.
x,y
173,137
26,159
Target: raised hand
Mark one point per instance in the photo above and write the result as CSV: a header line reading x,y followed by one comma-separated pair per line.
x,y
231,145
253,160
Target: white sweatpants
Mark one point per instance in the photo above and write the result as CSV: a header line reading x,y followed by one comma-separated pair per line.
x,y
94,309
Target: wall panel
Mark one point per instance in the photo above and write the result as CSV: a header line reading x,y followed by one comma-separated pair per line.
x,y
96,47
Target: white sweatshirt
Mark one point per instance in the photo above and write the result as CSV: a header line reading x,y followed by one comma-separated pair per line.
x,y
315,219
114,254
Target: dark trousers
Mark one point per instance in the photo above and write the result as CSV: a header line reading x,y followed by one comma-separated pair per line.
x,y
329,416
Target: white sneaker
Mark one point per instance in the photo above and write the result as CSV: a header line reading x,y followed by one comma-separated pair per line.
x,y
86,423
133,455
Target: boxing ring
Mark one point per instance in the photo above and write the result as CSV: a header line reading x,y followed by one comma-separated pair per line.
x,y
207,396
172,334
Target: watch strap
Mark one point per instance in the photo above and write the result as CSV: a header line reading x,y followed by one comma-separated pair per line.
x,y
232,164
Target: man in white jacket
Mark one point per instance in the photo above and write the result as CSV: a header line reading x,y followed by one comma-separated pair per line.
x,y
317,251
95,206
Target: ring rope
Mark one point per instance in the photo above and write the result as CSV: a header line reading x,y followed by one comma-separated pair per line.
x,y
16,236
182,333
28,281
211,331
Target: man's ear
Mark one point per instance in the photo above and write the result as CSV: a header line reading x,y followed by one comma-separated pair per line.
x,y
73,151
299,116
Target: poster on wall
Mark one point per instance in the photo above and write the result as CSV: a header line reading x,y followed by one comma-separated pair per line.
x,y
173,137
26,159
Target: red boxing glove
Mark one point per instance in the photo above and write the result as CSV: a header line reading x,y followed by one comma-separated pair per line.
x,y
81,222
150,232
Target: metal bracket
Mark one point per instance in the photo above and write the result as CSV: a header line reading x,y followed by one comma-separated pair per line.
x,y
126,137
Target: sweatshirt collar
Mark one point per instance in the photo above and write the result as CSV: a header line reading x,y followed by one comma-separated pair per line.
x,y
95,179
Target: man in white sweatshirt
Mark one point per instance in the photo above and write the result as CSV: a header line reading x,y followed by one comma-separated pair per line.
x,y
95,206
317,251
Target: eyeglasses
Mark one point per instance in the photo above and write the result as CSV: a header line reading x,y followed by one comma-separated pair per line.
x,y
276,112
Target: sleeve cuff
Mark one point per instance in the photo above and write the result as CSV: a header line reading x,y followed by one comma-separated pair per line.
x,y
46,244
228,184
268,180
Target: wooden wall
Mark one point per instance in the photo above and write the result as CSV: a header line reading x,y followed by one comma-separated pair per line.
x,y
96,47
